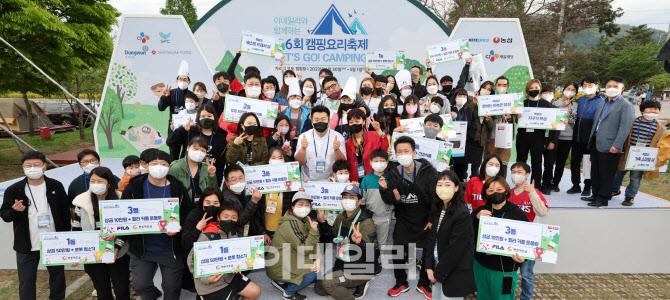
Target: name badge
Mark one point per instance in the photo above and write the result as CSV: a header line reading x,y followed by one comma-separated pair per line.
x,y
246,230
361,170
435,253
530,130
641,144
271,206
320,166
43,221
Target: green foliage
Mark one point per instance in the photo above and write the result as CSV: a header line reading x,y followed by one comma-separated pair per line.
x,y
124,81
181,7
225,62
110,116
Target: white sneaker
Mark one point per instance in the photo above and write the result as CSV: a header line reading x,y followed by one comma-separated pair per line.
x,y
95,293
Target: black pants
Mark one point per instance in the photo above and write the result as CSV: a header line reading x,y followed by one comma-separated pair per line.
x,y
578,151
401,273
26,265
562,152
533,143
460,167
119,275
603,168
548,173
175,150
172,270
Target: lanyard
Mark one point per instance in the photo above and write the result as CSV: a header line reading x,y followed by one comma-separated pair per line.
x,y
523,198
164,187
210,138
413,174
33,198
190,176
327,145
352,225
639,128
465,112
176,97
536,104
86,180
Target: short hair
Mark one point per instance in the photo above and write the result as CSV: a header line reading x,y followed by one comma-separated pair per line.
x,y
482,168
220,74
130,160
340,165
437,100
405,140
328,79
232,168
85,152
502,78
491,181
157,85
435,118
244,117
379,153
280,150
649,104
248,76
320,109
591,79
33,155
531,82
520,164
227,205
158,154
574,84
145,152
432,77
252,69
271,80
191,95
420,69
617,79
356,114
446,78
212,190
199,141
327,71
200,85
381,78
459,92
547,88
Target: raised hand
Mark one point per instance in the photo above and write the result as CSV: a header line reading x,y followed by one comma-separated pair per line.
x,y
375,125
18,206
240,139
321,215
238,51
299,74
166,91
188,124
468,60
203,222
356,235
211,169
313,224
215,96
256,195
382,183
529,187
304,143
368,71
336,144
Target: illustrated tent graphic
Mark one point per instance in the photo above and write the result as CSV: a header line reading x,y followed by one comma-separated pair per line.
x,y
325,26
357,27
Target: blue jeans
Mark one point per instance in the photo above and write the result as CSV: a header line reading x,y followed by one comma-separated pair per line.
x,y
293,288
633,185
527,279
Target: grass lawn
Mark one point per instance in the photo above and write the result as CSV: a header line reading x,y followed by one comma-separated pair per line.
x,y
9,284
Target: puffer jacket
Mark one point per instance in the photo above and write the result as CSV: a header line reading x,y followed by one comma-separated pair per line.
x,y
292,233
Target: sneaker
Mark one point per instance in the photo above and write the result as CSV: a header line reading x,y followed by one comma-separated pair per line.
x,y
280,286
546,190
554,188
575,189
295,296
360,291
398,289
617,193
94,293
426,291
587,191
597,204
628,202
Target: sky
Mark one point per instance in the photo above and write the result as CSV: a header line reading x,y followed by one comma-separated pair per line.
x,y
655,13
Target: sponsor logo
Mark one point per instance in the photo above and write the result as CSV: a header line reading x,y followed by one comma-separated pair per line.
x,y
165,37
476,40
143,37
50,238
492,56
497,40
333,22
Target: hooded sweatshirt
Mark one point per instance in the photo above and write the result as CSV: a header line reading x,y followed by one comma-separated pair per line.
x,y
292,233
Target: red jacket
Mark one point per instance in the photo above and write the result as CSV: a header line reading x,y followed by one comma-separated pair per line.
x,y
232,127
371,142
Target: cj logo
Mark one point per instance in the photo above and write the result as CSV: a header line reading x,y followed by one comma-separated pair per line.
x,y
143,37
333,19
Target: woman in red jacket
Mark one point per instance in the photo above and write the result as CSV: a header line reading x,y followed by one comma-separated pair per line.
x,y
361,143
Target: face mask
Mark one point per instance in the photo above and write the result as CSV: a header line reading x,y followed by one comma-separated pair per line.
x,y
275,161
356,128
229,226
200,94
349,204
612,92
143,170
158,171
492,171
406,93
250,130
320,126
430,132
415,76
518,179
342,177
501,90
434,108
590,90
211,211
405,160
308,91
447,88
295,104
533,93
182,85
497,198
389,111
445,193
379,166
33,172
283,130
238,187
196,156
366,91
389,87
380,91
253,91
484,92
133,172
222,87
88,168
98,188
346,107
301,212
411,109
432,90
568,94
206,123
269,94
650,116
548,97
335,95
189,106
461,101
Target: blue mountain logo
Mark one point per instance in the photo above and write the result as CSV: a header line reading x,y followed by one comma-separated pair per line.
x,y
165,35
332,20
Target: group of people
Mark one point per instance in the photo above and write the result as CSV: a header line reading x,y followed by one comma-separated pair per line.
x,y
437,212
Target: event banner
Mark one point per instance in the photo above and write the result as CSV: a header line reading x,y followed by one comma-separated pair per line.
x,y
180,119
236,106
435,151
506,237
84,247
384,59
263,45
500,104
275,178
139,216
543,118
459,139
325,195
228,256
416,127
642,159
447,51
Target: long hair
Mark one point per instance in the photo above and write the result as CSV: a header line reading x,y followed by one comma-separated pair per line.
x,y
284,86
259,132
374,90
482,168
210,109
457,199
275,149
283,117
491,181
385,125
212,190
312,98
411,99
104,173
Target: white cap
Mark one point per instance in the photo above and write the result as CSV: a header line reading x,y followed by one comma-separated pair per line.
x,y
403,78
350,89
174,215
552,244
183,69
109,246
293,87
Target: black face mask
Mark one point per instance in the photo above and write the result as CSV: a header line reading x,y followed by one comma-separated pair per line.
x,y
533,93
380,91
346,107
447,88
356,128
222,87
229,226
320,126
389,111
497,198
366,90
206,123
211,211
250,130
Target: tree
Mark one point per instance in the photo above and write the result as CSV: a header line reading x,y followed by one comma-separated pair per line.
x,y
124,81
109,116
181,7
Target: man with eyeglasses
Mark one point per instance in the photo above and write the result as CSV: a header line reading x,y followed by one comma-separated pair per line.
x,y
175,99
35,205
334,91
88,160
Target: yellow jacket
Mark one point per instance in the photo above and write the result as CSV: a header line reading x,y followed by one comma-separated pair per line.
x,y
660,140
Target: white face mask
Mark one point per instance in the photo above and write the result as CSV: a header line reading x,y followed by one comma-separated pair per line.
x,y
379,166
275,161
405,160
200,94
33,172
432,90
189,106
238,187
158,171
253,91
182,85
518,179
88,168
308,91
143,170
484,93
196,156
434,108
568,94
461,101
342,178
548,97
98,188
501,90
492,171
406,93
612,92
301,212
295,104
590,91
133,172
349,204
650,116
269,94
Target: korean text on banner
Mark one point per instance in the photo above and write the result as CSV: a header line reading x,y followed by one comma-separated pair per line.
x,y
436,152
65,248
532,241
264,45
415,126
383,59
180,119
236,106
325,195
228,256
275,178
447,51
642,159
543,118
139,216
500,104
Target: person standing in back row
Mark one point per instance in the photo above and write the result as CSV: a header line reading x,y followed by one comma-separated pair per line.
x,y
489,124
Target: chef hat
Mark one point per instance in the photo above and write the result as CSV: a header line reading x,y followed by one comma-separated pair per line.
x,y
183,69
109,246
403,78
552,244
293,87
174,215
350,89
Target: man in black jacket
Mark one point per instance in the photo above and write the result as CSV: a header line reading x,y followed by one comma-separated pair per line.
x,y
164,249
34,205
175,99
251,219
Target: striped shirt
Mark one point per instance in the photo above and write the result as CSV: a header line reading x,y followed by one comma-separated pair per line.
x,y
643,132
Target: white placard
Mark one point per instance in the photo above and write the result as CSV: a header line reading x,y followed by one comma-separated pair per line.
x,y
642,158
179,120
436,152
532,241
276,178
236,106
383,59
499,104
543,118
228,256
325,195
448,51
65,248
139,216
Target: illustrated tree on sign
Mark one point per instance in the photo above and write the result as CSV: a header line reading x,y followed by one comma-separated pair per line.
x,y
109,116
124,81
